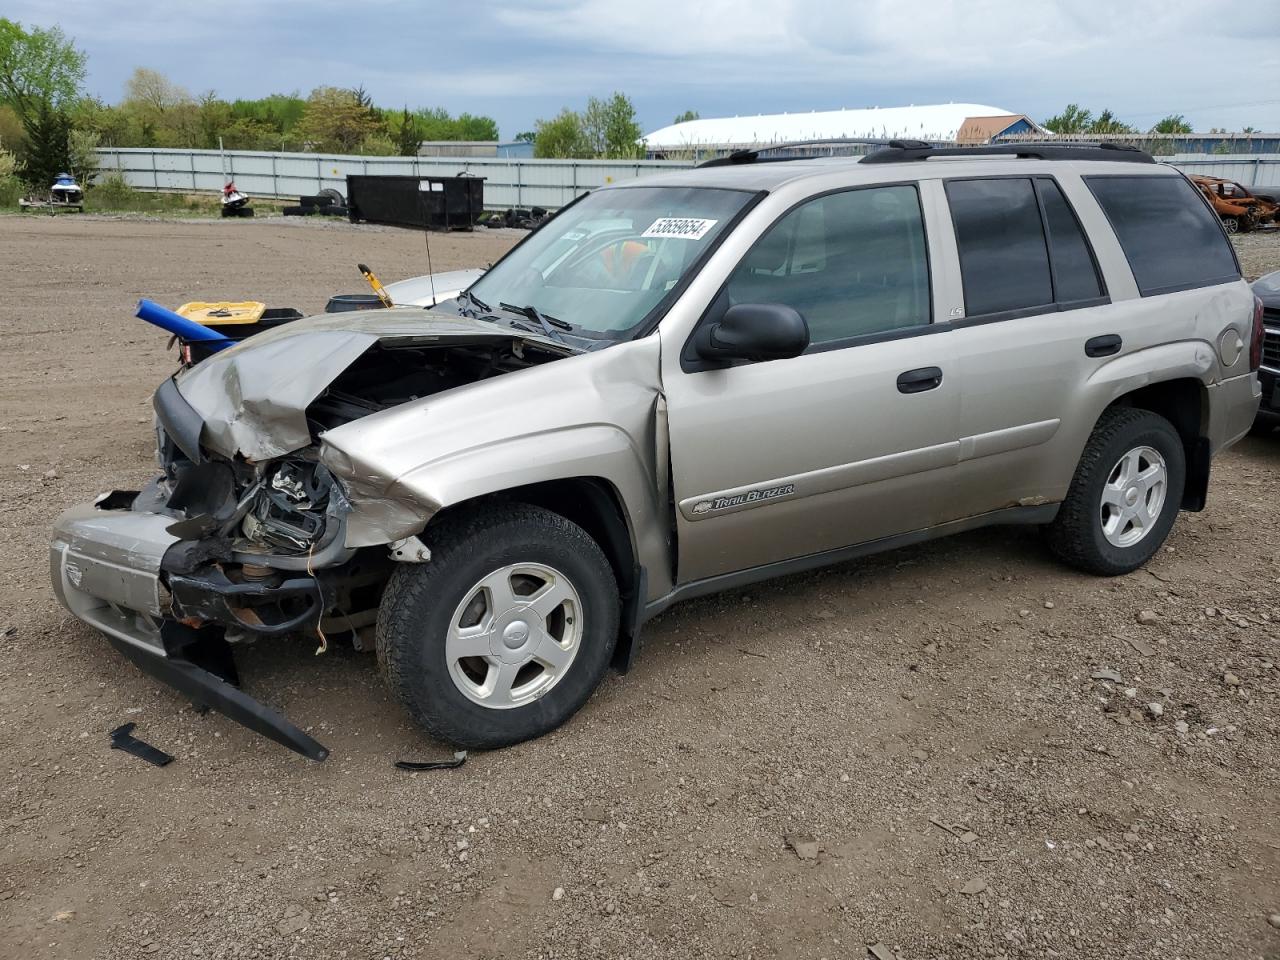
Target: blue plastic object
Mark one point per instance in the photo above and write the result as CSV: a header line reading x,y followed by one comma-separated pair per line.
x,y
180,326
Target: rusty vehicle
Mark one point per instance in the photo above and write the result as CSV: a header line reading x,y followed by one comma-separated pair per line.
x,y
1239,209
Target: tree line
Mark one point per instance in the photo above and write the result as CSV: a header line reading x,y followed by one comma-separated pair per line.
x,y
1077,119
49,124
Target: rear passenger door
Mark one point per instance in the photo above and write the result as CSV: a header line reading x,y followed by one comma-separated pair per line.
x,y
1037,320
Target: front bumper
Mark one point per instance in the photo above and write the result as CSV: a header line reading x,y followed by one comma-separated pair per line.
x,y
106,566
1269,410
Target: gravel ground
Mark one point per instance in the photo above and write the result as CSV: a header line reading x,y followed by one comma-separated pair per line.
x,y
959,750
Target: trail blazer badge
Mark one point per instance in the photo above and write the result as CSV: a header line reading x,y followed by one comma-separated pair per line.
x,y
703,507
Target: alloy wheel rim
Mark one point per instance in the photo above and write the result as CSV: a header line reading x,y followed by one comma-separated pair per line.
x,y
514,636
1133,496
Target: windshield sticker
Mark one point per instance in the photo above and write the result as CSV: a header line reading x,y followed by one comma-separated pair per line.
x,y
573,235
683,228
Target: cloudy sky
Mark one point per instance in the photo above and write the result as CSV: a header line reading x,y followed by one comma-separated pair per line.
x,y
518,60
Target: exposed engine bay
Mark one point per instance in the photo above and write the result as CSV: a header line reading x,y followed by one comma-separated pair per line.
x,y
261,546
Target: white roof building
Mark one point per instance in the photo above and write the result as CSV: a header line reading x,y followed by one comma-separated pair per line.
x,y
943,121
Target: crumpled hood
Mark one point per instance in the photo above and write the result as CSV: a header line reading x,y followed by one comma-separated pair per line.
x,y
252,397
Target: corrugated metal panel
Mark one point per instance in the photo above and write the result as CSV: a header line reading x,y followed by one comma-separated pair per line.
x,y
509,182
1252,170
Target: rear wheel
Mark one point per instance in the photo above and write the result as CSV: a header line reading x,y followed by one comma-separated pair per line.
x,y
1125,495
505,632
1231,224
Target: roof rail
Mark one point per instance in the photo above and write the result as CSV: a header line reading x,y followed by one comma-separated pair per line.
x,y
753,155
744,156
903,150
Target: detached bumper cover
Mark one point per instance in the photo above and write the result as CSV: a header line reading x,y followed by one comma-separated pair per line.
x,y
105,567
1233,406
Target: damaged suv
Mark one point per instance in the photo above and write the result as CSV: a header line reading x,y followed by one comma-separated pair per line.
x,y
680,385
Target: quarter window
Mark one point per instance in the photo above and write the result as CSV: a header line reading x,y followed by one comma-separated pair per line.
x,y
1169,235
852,263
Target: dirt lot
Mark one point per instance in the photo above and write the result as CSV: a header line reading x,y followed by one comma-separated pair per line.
x,y
927,717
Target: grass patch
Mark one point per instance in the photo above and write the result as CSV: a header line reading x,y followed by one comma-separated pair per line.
x,y
114,195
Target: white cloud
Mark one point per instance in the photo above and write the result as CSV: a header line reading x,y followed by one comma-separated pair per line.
x,y
519,59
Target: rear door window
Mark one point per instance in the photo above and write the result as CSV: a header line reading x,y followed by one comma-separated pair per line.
x,y
1171,238
1004,260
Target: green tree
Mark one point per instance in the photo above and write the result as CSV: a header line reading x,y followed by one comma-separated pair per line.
x,y
471,127
610,127
1074,119
526,136
1173,123
562,136
213,117
379,145
82,155
11,134
687,116
152,91
335,120
10,185
40,70
408,134
1106,122
44,153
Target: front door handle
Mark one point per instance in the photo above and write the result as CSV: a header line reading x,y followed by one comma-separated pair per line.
x,y
918,381
1107,345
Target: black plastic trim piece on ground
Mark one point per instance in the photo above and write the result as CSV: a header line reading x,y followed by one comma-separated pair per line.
x,y
122,738
204,687
458,760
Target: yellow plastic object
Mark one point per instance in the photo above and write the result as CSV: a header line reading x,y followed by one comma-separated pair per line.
x,y
225,311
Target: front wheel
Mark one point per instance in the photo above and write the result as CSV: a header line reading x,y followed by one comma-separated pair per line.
x,y
504,633
1125,495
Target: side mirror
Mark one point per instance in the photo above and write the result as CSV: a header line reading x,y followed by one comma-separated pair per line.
x,y
754,331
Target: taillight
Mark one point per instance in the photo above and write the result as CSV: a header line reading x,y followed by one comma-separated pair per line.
x,y
1259,332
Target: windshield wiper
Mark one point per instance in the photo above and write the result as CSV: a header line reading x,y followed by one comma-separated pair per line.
x,y
474,299
547,323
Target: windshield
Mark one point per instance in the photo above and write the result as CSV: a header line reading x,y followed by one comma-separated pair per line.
x,y
603,264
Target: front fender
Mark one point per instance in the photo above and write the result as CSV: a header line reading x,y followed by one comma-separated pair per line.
x,y
593,415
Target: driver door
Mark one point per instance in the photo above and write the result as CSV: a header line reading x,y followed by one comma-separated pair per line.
x,y
852,441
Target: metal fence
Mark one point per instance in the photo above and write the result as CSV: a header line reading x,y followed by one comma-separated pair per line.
x,y
508,182
1250,169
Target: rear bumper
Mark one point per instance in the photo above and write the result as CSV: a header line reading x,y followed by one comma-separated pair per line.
x,y
1233,406
106,570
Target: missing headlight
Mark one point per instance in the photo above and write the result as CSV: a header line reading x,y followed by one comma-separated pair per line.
x,y
289,509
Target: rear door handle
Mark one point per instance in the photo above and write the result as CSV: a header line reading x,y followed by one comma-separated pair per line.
x,y
918,381
1107,345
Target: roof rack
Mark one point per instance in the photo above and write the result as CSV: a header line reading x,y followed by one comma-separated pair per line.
x,y
902,150
744,156
753,155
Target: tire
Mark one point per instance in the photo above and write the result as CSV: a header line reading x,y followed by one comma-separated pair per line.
x,y
331,198
295,211
1231,225
1077,535
445,693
